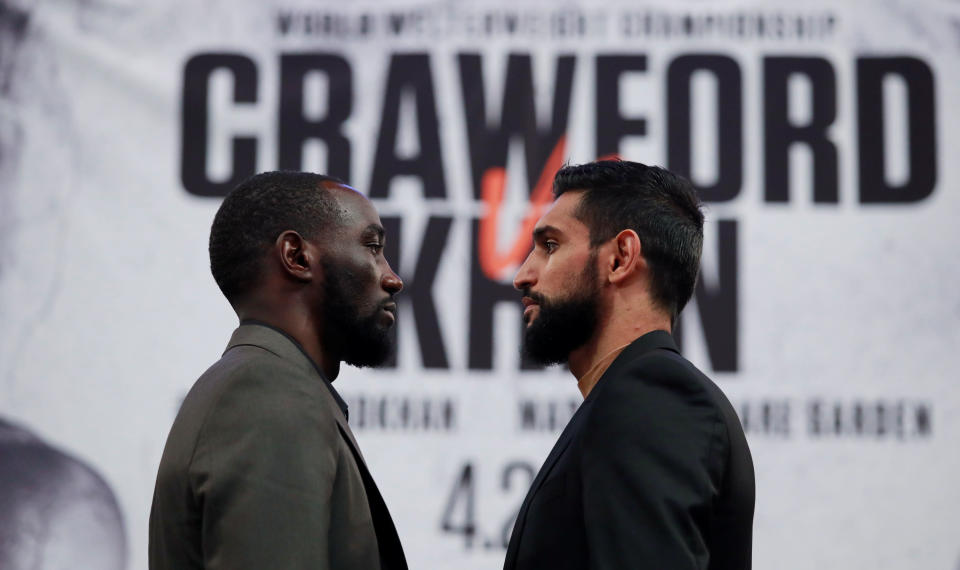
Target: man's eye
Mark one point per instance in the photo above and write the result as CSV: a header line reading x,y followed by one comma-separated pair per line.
x,y
375,248
550,246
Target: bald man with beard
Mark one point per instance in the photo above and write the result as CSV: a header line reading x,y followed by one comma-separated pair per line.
x,y
56,512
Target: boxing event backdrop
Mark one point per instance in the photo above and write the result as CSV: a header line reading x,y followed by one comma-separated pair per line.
x,y
823,137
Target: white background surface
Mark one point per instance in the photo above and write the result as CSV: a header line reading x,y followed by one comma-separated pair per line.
x,y
109,312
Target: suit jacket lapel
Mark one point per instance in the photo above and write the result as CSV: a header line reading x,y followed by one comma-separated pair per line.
x,y
345,429
572,428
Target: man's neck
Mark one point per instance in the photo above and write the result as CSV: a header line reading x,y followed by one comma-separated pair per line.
x,y
622,328
589,379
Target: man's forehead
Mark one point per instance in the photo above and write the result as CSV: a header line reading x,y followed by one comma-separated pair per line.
x,y
344,195
355,209
561,215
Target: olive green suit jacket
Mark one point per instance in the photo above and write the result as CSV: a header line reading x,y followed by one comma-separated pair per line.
x,y
261,470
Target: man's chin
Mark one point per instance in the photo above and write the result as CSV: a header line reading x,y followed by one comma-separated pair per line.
x,y
551,335
367,361
371,352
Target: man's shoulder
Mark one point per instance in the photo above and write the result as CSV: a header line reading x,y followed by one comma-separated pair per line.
x,y
254,370
662,366
662,380
251,385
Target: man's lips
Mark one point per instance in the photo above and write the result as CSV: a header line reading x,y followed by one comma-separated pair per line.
x,y
529,303
391,310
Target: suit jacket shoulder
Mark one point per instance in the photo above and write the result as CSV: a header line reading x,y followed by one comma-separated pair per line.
x,y
651,472
659,418
659,404
268,397
257,471
275,407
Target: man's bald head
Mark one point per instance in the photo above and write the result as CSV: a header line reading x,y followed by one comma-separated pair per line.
x,y
256,212
55,510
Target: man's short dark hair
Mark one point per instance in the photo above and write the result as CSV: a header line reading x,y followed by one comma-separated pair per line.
x,y
255,213
662,207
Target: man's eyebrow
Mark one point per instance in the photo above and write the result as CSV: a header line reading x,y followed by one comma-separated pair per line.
x,y
374,229
538,232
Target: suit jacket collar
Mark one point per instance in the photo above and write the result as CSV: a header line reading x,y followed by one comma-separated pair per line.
x,y
658,339
270,338
649,342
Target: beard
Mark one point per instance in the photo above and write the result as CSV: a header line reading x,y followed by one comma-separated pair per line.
x,y
362,338
563,325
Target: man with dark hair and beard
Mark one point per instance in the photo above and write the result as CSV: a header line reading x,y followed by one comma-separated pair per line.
x,y
653,470
260,469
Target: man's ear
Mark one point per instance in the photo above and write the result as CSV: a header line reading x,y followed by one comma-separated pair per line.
x,y
628,258
298,258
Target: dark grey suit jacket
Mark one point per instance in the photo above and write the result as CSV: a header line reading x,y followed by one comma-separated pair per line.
x,y
653,471
261,471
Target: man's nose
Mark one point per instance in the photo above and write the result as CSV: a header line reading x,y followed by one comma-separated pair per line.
x,y
391,282
525,276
